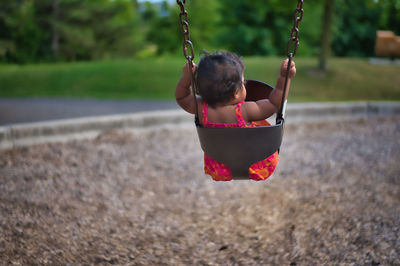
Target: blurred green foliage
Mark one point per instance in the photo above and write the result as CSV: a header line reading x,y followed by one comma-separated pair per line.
x,y
71,30
355,27
67,30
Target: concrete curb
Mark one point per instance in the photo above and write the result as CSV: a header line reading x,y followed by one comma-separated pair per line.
x,y
334,111
62,130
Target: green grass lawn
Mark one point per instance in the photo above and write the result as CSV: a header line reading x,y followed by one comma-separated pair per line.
x,y
347,79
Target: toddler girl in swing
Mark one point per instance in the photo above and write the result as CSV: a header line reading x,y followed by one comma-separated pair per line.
x,y
221,85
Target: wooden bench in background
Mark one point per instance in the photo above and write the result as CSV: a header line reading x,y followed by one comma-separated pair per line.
x,y
387,44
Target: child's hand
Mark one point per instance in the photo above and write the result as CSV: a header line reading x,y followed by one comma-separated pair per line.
x,y
186,72
292,71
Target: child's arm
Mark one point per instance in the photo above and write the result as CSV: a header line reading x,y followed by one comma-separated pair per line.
x,y
263,109
183,91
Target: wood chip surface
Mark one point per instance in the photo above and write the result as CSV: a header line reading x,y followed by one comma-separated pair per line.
x,y
141,198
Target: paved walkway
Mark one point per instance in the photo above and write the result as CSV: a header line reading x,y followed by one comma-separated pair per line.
x,y
15,111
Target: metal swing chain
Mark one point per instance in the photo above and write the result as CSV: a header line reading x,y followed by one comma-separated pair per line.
x,y
187,43
293,41
294,35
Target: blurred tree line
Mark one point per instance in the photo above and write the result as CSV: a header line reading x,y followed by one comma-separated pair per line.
x,y
66,30
69,30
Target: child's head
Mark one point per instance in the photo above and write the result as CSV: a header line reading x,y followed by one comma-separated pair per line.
x,y
219,77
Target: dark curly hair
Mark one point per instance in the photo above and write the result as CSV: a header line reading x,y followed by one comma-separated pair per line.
x,y
219,76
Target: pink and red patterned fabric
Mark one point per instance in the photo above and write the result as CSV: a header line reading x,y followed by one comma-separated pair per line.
x,y
220,172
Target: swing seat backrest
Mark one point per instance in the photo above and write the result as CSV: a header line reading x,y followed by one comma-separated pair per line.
x,y
239,148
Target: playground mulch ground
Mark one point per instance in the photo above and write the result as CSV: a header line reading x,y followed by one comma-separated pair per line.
x,y
141,198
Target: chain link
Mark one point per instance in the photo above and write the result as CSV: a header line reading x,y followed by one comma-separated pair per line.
x,y
187,45
294,34
290,52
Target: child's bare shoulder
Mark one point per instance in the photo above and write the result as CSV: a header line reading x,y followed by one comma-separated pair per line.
x,y
254,111
248,106
248,109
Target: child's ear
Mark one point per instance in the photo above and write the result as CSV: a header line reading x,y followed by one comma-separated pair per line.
x,y
238,92
236,95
